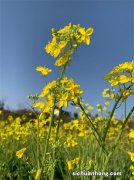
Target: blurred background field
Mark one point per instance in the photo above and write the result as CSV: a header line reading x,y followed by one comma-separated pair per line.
x,y
76,148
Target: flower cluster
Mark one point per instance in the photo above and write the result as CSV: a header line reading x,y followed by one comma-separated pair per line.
x,y
63,44
71,141
13,128
66,40
108,93
121,74
131,154
73,162
59,93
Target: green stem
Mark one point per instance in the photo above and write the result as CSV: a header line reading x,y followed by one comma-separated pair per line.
x,y
38,138
63,72
58,125
56,139
117,141
38,161
96,134
48,136
111,115
57,130
106,164
110,118
125,108
122,128
99,159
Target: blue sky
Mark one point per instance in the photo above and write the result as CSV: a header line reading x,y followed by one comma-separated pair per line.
x,y
25,29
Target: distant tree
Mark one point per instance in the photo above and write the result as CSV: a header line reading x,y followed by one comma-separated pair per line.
x,y
131,122
76,115
2,104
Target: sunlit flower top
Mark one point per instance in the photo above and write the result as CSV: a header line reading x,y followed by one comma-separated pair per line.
x,y
62,46
66,40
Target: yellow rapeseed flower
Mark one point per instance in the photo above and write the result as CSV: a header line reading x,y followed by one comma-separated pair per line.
x,y
73,162
114,81
63,100
131,178
53,48
61,38
44,70
132,169
131,156
76,160
124,79
104,108
71,142
64,58
119,74
132,79
70,165
39,104
82,133
131,134
99,108
38,173
20,153
107,103
126,66
106,92
49,87
85,34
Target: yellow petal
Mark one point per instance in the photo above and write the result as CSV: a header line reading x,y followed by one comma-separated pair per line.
x,y
82,30
89,31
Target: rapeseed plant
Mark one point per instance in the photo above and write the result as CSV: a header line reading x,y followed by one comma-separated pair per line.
x,y
87,143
